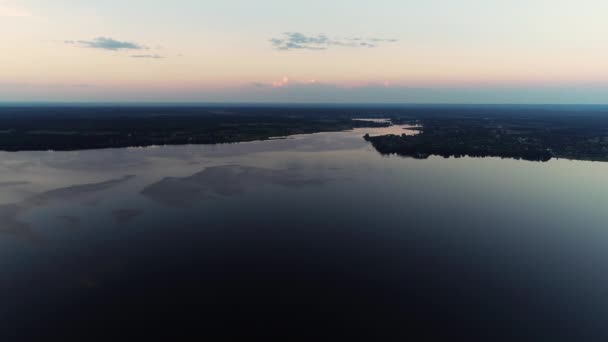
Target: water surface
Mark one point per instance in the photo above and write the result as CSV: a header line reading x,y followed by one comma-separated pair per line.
x,y
311,236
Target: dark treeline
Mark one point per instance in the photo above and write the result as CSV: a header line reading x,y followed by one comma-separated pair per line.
x,y
527,132
521,136
74,128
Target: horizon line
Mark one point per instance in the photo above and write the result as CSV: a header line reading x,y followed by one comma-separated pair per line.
x,y
274,104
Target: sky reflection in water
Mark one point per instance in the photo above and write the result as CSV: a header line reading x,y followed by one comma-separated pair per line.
x,y
310,231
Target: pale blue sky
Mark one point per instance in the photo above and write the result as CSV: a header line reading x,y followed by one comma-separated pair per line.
x,y
534,51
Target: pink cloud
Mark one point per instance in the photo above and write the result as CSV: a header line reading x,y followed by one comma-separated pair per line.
x,y
281,83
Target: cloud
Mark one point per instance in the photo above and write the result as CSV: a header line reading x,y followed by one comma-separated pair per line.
x,y
284,82
12,11
148,56
105,43
300,41
398,92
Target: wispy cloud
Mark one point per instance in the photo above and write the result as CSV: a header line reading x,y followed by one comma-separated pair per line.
x,y
300,41
13,11
105,43
148,56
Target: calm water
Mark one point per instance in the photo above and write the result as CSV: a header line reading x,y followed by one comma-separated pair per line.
x,y
312,236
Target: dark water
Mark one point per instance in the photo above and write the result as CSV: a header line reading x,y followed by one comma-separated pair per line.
x,y
315,238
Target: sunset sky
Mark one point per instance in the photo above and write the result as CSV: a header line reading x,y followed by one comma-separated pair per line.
x,y
395,51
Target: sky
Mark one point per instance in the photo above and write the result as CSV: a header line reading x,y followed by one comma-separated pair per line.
x,y
314,51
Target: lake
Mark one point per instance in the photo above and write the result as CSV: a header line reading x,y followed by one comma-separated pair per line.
x,y
314,236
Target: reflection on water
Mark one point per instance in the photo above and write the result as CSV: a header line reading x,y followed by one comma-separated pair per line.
x,y
311,235
6,184
10,213
393,129
377,120
125,215
227,180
